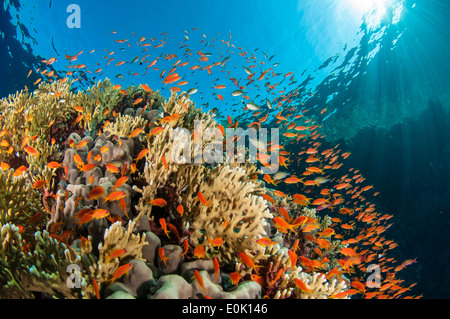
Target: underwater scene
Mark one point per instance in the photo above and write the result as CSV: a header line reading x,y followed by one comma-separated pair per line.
x,y
293,149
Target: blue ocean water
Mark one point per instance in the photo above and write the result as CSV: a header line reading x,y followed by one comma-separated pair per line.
x,y
379,67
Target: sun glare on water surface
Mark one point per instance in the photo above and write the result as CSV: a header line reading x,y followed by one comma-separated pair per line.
x,y
372,11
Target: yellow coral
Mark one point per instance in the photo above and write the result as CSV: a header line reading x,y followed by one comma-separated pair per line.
x,y
116,237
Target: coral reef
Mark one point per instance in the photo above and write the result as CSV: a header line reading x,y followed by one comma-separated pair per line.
x,y
115,191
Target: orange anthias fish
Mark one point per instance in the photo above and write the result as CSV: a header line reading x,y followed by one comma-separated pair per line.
x,y
162,256
279,194
199,252
163,158
186,247
216,268
19,171
31,151
180,210
115,195
120,182
199,279
203,200
112,168
100,213
146,88
88,167
122,270
218,241
293,180
265,241
163,224
158,202
116,253
235,277
54,165
248,261
39,183
155,131
96,289
135,133
283,225
142,154
171,78
301,285
279,273
96,193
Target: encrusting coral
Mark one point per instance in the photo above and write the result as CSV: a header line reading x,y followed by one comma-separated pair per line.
x,y
125,182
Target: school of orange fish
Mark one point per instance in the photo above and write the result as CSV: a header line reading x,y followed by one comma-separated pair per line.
x,y
314,176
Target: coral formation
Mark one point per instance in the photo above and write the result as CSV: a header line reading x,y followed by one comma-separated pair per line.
x,y
125,202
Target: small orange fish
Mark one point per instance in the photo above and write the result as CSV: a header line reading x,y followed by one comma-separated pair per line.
x,y
78,161
163,224
285,214
199,252
347,251
264,241
99,213
301,285
258,279
216,268
81,144
279,273
142,154
31,151
283,225
186,247
39,183
268,179
158,202
293,180
88,167
199,279
122,270
146,88
235,277
279,193
163,158
162,256
112,168
155,131
309,228
135,132
116,253
104,149
358,285
96,289
268,198
248,261
5,166
115,195
133,168
218,241
120,182
203,200
96,193
19,171
180,210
